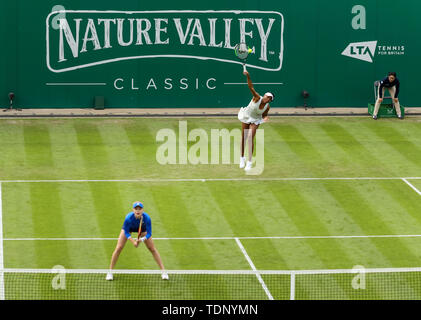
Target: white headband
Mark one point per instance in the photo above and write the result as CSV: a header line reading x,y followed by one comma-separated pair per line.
x,y
269,94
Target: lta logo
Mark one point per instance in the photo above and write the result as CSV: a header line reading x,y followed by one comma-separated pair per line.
x,y
364,51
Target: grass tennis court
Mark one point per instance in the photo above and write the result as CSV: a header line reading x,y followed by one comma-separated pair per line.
x,y
282,218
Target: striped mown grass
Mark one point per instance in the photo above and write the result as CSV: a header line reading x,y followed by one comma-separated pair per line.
x,y
125,149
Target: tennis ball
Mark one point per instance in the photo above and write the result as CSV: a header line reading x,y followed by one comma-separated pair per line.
x,y
250,50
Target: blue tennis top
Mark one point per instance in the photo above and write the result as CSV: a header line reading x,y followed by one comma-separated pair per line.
x,y
131,224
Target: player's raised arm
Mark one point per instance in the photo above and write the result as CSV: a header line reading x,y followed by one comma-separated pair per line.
x,y
256,96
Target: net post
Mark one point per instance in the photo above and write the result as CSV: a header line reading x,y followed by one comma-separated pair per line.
x,y
2,290
292,287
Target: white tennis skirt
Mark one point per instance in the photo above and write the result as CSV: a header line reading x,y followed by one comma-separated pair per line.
x,y
245,118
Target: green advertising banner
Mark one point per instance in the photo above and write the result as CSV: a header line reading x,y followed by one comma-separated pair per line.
x,y
140,54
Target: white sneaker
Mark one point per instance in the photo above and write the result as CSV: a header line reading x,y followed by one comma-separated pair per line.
x,y
164,276
242,162
248,166
109,276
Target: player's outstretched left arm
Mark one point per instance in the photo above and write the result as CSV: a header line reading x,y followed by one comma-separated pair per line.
x,y
256,96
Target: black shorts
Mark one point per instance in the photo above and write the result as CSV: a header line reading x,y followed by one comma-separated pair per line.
x,y
137,230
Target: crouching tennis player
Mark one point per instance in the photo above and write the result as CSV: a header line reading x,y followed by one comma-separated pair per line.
x,y
131,224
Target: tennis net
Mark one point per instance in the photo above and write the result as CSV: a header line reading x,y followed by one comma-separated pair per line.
x,y
353,284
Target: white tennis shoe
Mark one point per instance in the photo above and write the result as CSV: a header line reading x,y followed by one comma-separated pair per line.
x,y
242,162
164,276
109,276
248,166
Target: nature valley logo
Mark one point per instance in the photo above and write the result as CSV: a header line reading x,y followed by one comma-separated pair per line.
x,y
81,39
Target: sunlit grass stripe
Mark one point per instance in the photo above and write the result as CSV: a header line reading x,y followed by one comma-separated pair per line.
x,y
306,126
359,251
403,197
12,148
352,145
410,130
332,147
45,206
65,149
178,220
369,219
277,219
93,150
406,148
242,218
306,220
393,216
118,147
303,147
38,153
390,160
142,139
213,222
393,221
107,202
276,152
280,152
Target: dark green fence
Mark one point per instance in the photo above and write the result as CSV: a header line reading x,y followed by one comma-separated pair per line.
x,y
162,54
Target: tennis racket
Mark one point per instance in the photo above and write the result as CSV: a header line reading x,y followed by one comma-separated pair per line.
x,y
242,51
140,227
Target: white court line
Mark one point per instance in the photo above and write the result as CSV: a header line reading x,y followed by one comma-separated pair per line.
x,y
259,277
229,238
208,180
75,84
411,185
2,294
257,83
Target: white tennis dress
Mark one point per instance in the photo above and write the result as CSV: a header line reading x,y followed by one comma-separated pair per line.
x,y
252,113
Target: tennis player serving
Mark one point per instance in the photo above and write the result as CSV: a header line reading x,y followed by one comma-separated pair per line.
x,y
251,117
136,221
